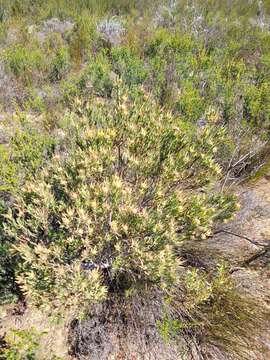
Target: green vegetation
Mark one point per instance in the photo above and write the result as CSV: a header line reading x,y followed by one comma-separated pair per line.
x,y
125,122
21,344
60,64
27,151
24,345
230,316
122,198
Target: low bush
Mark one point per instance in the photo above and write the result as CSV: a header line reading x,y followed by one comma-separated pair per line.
x,y
111,215
128,66
83,37
60,64
26,153
97,76
20,344
24,62
24,344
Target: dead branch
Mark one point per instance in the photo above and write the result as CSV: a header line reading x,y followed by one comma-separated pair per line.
x,y
254,242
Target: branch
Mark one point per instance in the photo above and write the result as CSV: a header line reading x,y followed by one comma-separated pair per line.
x,y
256,256
251,259
254,242
264,251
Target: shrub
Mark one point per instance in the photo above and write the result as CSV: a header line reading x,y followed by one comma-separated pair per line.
x,y
7,284
98,76
20,344
128,66
27,151
190,103
70,89
165,41
257,104
8,174
60,64
111,216
35,102
53,42
23,62
82,38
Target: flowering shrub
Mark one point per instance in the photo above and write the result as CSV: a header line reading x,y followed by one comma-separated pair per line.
x,y
111,216
20,160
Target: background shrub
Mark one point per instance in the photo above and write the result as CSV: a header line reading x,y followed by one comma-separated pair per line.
x,y
23,62
60,64
97,76
128,66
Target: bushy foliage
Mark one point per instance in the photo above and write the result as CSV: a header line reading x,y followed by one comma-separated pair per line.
x,y
24,344
7,281
97,76
25,155
20,344
128,66
82,38
23,62
153,101
59,65
113,213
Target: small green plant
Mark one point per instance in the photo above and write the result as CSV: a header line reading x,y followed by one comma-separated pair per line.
x,y
24,62
169,328
97,76
128,66
35,102
9,175
71,90
60,64
257,104
29,148
21,345
190,103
